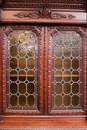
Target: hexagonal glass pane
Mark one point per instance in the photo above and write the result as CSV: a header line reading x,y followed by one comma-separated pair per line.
x,y
22,100
13,63
30,100
58,100
13,88
13,100
30,88
67,88
22,75
13,75
75,100
22,63
67,63
58,76
58,63
75,63
22,88
30,75
30,63
58,88
67,76
67,100
13,51
75,88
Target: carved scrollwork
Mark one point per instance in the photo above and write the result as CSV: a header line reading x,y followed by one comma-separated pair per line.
x,y
45,13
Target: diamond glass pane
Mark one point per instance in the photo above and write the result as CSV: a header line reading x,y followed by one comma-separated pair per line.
x,y
67,68
22,70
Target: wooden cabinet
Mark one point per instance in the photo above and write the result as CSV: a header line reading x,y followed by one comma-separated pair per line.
x,y
43,65
44,70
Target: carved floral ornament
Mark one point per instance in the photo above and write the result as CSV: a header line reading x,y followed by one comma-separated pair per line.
x,y
45,13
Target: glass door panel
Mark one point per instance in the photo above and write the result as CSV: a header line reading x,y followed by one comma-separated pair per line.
x,y
67,68
22,70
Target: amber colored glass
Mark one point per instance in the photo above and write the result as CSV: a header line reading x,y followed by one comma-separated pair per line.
x,y
13,63
58,76
66,69
13,51
67,88
75,76
75,100
58,88
22,88
30,100
75,63
30,75
75,88
30,63
22,69
30,88
58,100
67,76
22,100
22,75
66,100
58,63
13,100
22,63
13,88
67,63
13,75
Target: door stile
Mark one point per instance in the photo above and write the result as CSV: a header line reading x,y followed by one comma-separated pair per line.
x,y
49,71
41,72
45,70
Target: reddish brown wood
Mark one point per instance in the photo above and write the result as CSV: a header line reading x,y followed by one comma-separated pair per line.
x,y
43,12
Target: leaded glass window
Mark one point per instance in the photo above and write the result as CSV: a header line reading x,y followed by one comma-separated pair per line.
x,y
67,70
22,70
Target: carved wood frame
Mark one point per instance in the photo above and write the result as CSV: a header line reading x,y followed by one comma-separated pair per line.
x,y
39,32
83,34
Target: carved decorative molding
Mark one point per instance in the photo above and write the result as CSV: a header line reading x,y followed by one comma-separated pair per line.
x,y
45,13
45,128
48,1
60,4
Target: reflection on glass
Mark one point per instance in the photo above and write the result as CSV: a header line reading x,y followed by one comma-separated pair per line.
x,y
13,63
13,51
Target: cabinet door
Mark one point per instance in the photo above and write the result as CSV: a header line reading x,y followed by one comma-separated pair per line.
x,y
23,92
66,83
